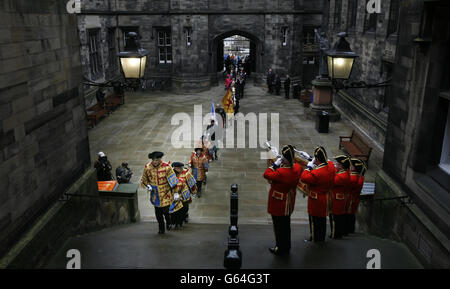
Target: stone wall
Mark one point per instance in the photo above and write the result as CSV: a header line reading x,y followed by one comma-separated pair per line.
x,y
262,21
81,212
404,222
44,144
414,138
376,52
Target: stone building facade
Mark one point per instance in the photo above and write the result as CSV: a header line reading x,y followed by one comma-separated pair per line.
x,y
185,37
44,145
374,38
414,129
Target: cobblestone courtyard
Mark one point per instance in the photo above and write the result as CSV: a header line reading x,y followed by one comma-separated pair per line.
x,y
143,125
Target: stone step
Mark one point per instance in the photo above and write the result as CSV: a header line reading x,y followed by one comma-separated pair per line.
x,y
202,246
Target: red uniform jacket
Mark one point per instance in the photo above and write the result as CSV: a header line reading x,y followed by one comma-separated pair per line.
x,y
282,189
340,193
356,190
320,182
354,177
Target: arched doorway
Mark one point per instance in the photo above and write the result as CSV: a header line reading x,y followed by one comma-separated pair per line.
x,y
218,51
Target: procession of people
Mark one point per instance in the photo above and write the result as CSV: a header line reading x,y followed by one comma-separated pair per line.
x,y
332,187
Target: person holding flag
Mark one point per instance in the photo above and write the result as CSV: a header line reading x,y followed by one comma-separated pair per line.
x,y
227,103
211,133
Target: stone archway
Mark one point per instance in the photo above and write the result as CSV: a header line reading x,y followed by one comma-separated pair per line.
x,y
216,48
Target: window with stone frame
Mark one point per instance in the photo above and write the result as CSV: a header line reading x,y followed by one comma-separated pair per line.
x,y
394,10
284,35
95,58
310,44
164,46
112,52
309,37
351,14
337,14
370,21
188,31
309,60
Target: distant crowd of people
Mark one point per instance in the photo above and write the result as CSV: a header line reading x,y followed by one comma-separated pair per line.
x,y
273,82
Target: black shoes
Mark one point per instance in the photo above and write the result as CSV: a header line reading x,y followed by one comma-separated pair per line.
x,y
161,232
277,252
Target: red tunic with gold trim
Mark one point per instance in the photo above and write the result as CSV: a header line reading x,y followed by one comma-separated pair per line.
x,y
356,190
340,193
354,178
162,179
199,166
320,181
283,186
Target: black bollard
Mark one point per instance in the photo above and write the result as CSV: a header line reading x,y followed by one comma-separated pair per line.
x,y
233,256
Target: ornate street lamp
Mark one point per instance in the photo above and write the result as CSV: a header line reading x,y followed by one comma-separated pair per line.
x,y
341,59
134,59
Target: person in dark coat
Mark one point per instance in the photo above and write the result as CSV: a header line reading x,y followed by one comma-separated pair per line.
x,y
287,86
248,65
103,168
277,84
270,80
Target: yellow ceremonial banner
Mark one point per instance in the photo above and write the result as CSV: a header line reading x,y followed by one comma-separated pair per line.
x,y
227,102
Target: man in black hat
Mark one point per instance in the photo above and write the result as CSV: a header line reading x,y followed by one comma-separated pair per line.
x,y
319,175
287,86
159,179
199,166
186,187
340,196
283,177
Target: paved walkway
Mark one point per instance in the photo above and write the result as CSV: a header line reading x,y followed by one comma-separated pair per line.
x,y
143,125
202,246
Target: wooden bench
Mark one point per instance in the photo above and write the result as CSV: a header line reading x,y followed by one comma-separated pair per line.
x,y
356,146
113,100
94,113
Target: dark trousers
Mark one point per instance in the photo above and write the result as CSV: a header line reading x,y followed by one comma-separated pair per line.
x,y
349,226
178,216
199,187
317,228
337,226
351,223
161,214
286,93
186,211
282,230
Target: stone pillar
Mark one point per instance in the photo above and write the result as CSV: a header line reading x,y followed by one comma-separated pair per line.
x,y
323,99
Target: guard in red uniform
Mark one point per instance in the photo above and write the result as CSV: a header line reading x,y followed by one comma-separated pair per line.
x,y
319,175
357,180
283,177
340,195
